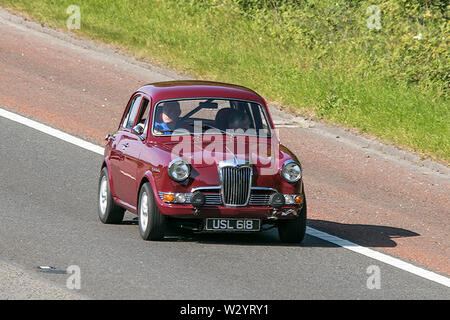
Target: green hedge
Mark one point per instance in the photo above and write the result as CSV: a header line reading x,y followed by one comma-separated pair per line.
x,y
411,46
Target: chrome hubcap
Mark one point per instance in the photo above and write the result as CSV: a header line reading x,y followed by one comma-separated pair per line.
x,y
143,211
103,196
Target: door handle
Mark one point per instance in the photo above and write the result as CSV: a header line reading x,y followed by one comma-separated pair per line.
x,y
125,145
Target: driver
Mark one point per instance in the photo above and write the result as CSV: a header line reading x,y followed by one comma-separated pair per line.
x,y
169,116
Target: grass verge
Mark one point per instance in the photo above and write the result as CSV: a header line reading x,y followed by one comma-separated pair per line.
x,y
210,39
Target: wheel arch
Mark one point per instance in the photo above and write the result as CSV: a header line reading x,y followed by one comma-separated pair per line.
x,y
106,163
148,177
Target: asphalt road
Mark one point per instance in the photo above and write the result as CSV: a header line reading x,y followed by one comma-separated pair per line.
x,y
48,214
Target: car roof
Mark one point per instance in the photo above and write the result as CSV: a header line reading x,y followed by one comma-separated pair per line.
x,y
198,89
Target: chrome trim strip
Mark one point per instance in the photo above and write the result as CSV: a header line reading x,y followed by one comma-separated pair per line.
x,y
215,199
205,188
219,187
264,189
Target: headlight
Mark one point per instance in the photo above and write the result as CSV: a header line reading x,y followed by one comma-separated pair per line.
x,y
179,169
291,171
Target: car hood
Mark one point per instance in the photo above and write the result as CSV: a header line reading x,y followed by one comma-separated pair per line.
x,y
208,153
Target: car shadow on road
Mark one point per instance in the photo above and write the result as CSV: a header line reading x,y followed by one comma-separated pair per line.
x,y
134,221
361,234
265,238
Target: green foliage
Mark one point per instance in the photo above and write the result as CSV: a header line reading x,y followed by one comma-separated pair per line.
x,y
411,46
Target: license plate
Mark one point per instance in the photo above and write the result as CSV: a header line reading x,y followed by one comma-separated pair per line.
x,y
233,224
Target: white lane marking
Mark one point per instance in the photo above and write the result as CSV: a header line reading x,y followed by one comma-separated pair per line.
x,y
51,131
400,264
310,231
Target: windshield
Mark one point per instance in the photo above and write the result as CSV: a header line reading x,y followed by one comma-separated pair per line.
x,y
209,116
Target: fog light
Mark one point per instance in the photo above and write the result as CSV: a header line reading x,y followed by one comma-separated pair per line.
x,y
168,197
277,200
198,199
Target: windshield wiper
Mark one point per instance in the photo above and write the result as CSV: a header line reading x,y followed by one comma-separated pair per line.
x,y
212,127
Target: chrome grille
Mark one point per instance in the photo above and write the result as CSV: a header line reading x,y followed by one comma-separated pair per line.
x,y
259,199
236,183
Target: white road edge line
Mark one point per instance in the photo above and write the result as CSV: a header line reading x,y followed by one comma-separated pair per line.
x,y
395,262
51,131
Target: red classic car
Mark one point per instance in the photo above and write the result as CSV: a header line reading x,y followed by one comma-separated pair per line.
x,y
203,156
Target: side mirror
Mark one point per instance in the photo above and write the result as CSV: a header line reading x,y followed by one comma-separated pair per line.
x,y
138,130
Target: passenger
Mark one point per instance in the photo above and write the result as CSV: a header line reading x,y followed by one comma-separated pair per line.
x,y
238,120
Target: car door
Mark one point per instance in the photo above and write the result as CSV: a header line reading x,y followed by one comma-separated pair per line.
x,y
132,146
122,178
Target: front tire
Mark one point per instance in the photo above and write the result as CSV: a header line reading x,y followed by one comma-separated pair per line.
x,y
108,211
293,231
152,224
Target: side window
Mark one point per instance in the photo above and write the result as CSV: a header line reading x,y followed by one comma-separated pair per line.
x,y
128,121
143,115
